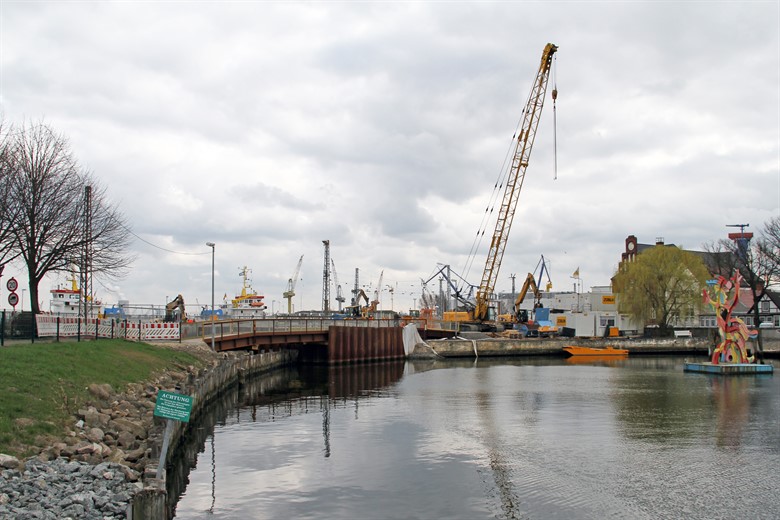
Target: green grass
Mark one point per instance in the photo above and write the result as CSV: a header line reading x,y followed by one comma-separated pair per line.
x,y
42,385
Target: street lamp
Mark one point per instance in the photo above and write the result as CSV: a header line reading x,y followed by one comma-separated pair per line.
x,y
211,245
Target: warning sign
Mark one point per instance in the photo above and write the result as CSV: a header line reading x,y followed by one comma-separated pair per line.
x,y
173,406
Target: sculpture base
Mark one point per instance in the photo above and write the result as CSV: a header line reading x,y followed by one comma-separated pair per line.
x,y
727,369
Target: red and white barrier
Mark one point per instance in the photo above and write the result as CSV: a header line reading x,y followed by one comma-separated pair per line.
x,y
52,326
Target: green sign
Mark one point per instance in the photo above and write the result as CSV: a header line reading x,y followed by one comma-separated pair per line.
x,y
173,406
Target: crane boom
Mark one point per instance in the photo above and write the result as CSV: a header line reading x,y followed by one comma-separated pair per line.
x,y
524,143
339,294
290,292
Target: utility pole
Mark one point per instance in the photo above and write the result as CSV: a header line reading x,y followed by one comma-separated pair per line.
x,y
86,282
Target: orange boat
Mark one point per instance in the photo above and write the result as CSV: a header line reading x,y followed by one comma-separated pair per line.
x,y
574,350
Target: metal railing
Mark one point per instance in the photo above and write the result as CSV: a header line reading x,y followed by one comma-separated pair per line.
x,y
253,326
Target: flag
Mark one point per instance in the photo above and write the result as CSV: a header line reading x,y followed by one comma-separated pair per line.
x,y
576,273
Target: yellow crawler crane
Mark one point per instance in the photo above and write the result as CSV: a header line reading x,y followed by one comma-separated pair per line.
x,y
525,140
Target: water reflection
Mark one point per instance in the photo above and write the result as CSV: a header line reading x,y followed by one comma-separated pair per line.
x,y
273,397
487,438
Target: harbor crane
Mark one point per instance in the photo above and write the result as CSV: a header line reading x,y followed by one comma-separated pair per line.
x,y
326,279
378,291
542,265
290,292
339,294
514,184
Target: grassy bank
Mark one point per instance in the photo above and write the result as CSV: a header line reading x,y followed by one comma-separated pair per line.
x,y
43,384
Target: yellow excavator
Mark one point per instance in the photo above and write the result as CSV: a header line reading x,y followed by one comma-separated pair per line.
x,y
356,311
514,184
521,315
174,311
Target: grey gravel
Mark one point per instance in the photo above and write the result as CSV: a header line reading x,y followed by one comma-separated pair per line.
x,y
61,489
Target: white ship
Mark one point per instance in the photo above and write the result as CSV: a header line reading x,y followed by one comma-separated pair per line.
x,y
248,304
71,301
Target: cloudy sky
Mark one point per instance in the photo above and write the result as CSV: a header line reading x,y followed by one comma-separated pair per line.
x,y
267,127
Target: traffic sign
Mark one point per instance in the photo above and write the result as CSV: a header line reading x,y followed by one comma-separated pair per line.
x,y
12,284
173,406
13,299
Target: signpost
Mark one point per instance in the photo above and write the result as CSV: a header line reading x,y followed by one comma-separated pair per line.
x,y
171,407
13,298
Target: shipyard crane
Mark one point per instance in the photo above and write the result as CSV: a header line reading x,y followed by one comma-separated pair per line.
x,y
339,295
290,292
514,184
543,270
378,291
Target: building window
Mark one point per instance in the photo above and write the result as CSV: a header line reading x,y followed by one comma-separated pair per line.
x,y
765,306
708,321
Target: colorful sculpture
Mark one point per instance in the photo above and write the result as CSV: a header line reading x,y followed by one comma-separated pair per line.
x,y
733,332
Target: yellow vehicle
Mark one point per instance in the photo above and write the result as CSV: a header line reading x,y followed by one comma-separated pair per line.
x,y
458,316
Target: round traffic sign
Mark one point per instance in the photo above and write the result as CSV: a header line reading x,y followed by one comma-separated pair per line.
x,y
13,299
12,284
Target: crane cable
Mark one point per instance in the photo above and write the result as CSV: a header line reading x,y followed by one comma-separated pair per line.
x,y
555,117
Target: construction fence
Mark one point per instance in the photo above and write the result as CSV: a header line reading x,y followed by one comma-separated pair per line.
x,y
94,328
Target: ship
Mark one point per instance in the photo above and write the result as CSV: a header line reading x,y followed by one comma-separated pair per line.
x,y
248,304
71,302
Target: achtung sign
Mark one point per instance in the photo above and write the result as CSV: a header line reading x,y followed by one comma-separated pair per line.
x,y
173,406
608,299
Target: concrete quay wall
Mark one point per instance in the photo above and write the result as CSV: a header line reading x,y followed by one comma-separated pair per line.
x,y
232,369
459,348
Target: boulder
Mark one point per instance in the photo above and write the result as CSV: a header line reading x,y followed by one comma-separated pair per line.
x,y
8,461
101,391
128,425
95,434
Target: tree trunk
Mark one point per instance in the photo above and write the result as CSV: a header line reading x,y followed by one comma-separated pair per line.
x,y
760,341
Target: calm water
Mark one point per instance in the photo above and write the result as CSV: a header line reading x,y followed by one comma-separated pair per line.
x,y
533,439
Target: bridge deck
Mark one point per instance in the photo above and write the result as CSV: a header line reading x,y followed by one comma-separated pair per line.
x,y
356,339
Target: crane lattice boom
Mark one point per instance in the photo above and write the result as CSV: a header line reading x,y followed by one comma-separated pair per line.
x,y
525,141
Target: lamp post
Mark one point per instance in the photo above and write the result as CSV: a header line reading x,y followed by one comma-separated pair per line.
x,y
212,245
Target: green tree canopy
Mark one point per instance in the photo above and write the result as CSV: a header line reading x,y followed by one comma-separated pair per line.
x,y
663,284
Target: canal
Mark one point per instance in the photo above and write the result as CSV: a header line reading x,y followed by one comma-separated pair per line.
x,y
507,439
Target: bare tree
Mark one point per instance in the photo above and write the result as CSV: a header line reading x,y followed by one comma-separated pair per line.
x,y
7,252
46,196
769,248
